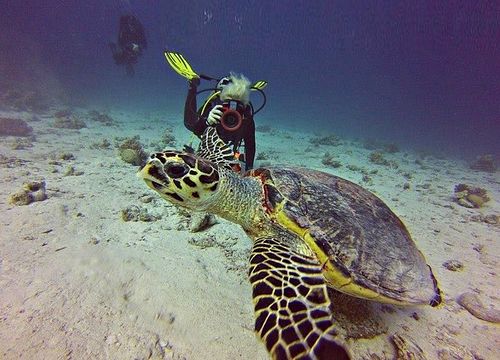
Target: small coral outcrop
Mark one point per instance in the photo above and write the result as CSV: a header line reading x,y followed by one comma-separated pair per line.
x,y
31,192
470,196
491,219
453,265
484,163
14,127
135,213
377,157
102,118
262,156
102,144
390,148
168,138
331,140
24,100
21,143
65,119
166,141
263,128
329,160
131,151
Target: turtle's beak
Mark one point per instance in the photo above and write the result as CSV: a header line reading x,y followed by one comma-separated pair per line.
x,y
154,175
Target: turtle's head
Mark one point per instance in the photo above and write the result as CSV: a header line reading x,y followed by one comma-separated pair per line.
x,y
181,178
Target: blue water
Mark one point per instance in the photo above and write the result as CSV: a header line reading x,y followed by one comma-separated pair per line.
x,y
423,74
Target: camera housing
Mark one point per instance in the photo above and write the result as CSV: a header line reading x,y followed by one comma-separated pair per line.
x,y
232,117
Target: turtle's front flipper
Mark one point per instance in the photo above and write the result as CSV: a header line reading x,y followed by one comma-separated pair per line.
x,y
291,303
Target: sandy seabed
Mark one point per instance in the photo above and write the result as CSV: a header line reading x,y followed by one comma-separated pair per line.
x,y
79,282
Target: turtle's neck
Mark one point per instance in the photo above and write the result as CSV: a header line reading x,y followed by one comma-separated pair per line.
x,y
239,199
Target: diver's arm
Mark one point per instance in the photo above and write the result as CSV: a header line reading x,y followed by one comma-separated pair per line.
x,y
122,38
192,121
190,114
249,139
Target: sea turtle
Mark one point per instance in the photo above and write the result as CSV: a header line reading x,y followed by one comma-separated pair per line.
x,y
310,230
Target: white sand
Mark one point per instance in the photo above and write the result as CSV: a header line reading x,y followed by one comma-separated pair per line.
x,y
76,281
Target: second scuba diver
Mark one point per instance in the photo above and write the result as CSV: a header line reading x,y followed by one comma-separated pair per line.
x,y
131,43
229,110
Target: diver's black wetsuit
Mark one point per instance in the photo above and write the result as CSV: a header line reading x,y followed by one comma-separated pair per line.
x,y
131,42
197,124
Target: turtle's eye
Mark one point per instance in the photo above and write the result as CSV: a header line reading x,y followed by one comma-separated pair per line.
x,y
176,171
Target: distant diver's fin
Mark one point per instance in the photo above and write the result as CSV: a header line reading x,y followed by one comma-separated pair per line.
x,y
180,65
259,85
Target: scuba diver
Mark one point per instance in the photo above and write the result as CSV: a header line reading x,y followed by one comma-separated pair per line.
x,y
229,111
228,108
131,43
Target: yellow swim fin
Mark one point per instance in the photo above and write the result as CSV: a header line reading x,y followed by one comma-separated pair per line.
x,y
259,85
180,65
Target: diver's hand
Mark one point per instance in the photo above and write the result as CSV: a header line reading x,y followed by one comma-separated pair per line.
x,y
214,115
194,82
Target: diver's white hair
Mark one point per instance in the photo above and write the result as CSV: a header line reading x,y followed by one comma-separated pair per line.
x,y
237,89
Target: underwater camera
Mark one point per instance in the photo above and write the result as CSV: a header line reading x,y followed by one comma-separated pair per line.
x,y
232,118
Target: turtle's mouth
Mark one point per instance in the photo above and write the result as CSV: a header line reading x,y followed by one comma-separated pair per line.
x,y
154,185
154,176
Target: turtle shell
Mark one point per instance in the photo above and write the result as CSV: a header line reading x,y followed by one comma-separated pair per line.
x,y
365,248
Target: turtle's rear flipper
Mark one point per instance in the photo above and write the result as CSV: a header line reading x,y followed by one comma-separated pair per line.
x,y
291,303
